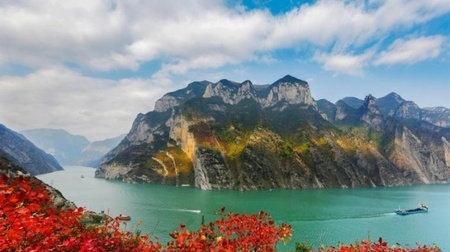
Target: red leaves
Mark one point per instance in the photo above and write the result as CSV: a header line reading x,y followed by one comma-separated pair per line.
x,y
233,232
30,222
380,246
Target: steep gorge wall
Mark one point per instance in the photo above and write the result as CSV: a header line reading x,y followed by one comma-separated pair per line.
x,y
285,143
418,162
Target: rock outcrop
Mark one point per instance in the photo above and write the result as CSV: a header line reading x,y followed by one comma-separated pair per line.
x,y
229,135
438,116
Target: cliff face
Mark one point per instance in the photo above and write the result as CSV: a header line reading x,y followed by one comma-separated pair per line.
x,y
229,135
438,116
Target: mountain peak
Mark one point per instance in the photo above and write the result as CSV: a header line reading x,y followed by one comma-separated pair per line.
x,y
369,98
370,105
229,83
394,96
290,79
388,104
353,102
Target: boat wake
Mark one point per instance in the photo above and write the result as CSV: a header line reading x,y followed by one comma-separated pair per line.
x,y
188,210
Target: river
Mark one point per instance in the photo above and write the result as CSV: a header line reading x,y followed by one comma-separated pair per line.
x,y
319,217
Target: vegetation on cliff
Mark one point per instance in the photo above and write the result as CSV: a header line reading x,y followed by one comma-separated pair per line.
x,y
241,136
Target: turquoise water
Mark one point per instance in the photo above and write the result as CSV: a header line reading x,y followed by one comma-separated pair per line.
x,y
317,216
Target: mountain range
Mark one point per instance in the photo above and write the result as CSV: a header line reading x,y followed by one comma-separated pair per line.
x,y
394,105
21,152
69,149
230,135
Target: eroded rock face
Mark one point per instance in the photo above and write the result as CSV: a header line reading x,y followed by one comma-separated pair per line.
x,y
290,92
438,116
416,160
446,147
229,135
113,171
211,171
372,116
408,110
165,103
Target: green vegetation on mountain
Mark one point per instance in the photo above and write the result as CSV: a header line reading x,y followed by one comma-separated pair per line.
x,y
228,135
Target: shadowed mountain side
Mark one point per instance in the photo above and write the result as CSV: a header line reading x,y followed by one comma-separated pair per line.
x,y
16,148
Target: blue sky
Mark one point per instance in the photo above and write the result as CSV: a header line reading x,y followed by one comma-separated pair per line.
x,y
91,66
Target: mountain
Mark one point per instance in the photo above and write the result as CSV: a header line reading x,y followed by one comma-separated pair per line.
x,y
16,148
327,109
70,149
394,105
64,146
91,154
389,103
438,116
353,102
230,135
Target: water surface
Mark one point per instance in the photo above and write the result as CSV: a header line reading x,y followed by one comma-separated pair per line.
x,y
317,216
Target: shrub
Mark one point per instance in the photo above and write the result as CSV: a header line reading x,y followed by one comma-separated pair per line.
x,y
233,232
30,222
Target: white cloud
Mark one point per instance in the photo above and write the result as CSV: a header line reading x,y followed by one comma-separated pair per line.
x,y
185,35
344,63
323,23
182,37
61,98
44,33
411,51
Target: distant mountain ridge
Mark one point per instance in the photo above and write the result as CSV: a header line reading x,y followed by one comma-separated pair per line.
x,y
230,135
394,105
21,152
70,149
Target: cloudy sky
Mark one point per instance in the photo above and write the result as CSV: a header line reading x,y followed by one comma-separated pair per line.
x,y
90,66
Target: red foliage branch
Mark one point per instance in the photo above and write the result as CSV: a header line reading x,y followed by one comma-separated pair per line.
x,y
233,232
380,246
30,222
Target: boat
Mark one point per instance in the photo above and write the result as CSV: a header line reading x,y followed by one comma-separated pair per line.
x,y
421,209
124,217
82,176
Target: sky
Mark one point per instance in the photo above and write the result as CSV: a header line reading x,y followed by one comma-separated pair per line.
x,y
90,66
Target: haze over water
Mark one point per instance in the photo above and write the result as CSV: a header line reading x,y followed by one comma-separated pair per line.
x,y
317,216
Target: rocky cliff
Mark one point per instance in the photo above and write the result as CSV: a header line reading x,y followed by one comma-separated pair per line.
x,y
229,135
16,148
